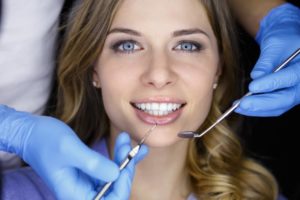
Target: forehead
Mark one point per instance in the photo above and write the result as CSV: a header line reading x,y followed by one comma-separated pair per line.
x,y
160,14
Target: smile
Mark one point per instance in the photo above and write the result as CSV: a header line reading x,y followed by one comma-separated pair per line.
x,y
160,113
158,109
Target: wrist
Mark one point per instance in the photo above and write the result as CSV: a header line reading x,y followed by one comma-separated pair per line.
x,y
280,15
15,128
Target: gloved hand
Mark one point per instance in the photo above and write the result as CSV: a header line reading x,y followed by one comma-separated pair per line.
x,y
53,150
122,187
278,37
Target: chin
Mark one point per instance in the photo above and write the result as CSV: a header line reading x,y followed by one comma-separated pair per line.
x,y
162,139
162,135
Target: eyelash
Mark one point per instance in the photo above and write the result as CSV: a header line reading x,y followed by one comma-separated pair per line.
x,y
116,46
196,46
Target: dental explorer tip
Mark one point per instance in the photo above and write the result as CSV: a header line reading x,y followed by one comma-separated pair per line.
x,y
148,133
186,134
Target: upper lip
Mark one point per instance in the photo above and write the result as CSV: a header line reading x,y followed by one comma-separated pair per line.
x,y
159,100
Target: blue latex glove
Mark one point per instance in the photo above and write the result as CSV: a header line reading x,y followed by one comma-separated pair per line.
x,y
278,37
122,187
54,151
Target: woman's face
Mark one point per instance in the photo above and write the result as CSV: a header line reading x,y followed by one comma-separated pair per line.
x,y
158,65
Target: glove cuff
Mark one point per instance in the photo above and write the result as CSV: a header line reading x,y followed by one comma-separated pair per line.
x,y
286,12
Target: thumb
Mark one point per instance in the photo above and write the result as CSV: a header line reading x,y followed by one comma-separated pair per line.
x,y
92,163
269,58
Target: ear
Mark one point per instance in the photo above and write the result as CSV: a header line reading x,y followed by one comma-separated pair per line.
x,y
219,71
96,80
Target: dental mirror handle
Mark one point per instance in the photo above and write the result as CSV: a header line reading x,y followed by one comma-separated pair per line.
x,y
192,134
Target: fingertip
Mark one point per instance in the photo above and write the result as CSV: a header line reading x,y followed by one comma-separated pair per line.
x,y
245,112
142,153
144,149
98,166
245,104
121,153
114,171
122,187
123,137
256,74
236,101
122,144
105,169
254,87
238,110
242,111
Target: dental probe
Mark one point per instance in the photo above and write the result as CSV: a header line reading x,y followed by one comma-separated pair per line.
x,y
193,134
132,153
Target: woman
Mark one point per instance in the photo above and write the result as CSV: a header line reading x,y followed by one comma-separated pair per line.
x,y
156,54
127,65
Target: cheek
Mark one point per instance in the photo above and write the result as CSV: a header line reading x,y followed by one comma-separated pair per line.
x,y
198,85
114,87
114,73
118,71
109,93
117,85
201,104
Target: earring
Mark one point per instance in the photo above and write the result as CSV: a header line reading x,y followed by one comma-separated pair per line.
x,y
215,85
95,84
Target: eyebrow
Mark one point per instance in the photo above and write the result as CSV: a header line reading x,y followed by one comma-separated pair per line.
x,y
189,32
124,30
175,33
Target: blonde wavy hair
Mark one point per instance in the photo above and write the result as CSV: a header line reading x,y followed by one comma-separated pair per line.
x,y
217,166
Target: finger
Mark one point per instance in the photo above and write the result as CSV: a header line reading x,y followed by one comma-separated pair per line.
x,y
90,162
141,154
268,59
122,187
121,150
269,113
270,104
123,138
72,184
271,57
122,147
285,78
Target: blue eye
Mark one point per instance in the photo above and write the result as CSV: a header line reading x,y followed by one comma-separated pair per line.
x,y
128,46
188,46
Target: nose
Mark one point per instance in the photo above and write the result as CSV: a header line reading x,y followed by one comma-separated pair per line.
x,y
159,72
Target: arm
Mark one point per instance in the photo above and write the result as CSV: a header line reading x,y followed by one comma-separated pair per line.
x,y
69,168
250,13
54,151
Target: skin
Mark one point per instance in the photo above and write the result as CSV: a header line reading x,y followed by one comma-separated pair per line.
x,y
250,13
157,65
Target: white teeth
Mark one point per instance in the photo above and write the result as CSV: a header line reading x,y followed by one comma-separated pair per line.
x,y
158,109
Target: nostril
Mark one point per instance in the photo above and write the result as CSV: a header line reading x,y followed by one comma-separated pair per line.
x,y
159,80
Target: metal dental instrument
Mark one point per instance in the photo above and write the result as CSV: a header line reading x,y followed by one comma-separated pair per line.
x,y
134,151
193,134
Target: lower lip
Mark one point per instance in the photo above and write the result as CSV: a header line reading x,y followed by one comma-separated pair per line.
x,y
159,120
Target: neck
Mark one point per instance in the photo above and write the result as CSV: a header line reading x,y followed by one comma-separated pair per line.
x,y
162,174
